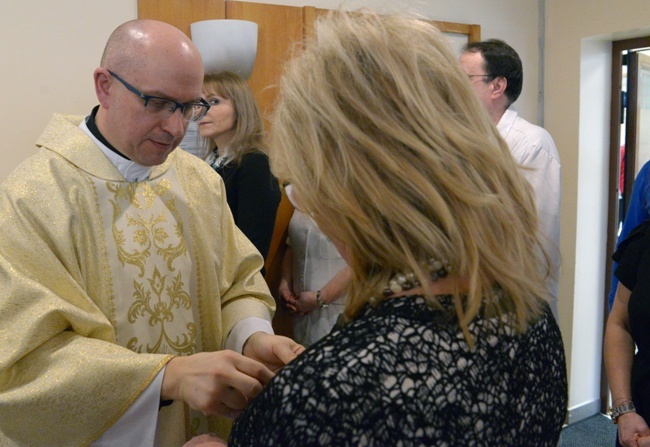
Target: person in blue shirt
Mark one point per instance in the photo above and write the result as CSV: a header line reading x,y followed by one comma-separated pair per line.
x,y
638,211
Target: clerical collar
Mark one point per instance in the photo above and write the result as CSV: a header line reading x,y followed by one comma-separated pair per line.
x,y
130,170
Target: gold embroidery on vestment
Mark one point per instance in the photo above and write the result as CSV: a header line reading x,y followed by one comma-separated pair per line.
x,y
160,312
138,232
148,232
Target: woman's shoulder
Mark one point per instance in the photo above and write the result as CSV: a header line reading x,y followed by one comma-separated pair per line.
x,y
253,163
255,157
398,330
392,330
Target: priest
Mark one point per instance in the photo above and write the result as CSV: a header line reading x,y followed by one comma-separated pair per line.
x,y
132,309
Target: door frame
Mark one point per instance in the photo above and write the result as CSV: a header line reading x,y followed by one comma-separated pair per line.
x,y
616,114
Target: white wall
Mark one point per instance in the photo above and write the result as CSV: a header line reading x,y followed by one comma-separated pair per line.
x,y
577,98
48,51
595,75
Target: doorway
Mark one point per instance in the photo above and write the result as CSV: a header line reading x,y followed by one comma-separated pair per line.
x,y
629,149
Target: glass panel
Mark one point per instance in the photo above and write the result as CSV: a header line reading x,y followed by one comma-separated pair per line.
x,y
643,120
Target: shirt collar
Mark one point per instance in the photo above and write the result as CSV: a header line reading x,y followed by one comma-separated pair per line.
x,y
130,170
507,121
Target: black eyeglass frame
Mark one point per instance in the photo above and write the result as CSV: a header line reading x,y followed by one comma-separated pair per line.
x,y
481,76
203,103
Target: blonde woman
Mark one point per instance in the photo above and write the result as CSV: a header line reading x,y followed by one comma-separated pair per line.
x,y
448,338
233,133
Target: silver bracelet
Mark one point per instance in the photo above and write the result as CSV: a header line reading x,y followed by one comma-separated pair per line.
x,y
625,407
322,304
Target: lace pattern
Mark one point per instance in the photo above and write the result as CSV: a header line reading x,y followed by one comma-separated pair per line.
x,y
403,375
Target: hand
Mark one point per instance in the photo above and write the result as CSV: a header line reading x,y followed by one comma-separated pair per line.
x,y
207,440
643,441
632,428
288,299
274,351
306,302
215,383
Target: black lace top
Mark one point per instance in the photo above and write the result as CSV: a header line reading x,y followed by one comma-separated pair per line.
x,y
402,375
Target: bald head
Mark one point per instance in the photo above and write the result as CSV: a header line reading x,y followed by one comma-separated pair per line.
x,y
138,43
146,58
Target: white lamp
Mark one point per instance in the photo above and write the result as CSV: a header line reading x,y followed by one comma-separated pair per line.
x,y
226,45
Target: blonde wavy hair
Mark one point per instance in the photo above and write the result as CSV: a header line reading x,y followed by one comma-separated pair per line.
x,y
392,154
248,135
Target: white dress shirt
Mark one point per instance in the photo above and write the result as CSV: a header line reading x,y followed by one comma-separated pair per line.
x,y
533,148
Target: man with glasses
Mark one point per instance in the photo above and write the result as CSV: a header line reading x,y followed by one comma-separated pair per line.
x,y
495,72
129,295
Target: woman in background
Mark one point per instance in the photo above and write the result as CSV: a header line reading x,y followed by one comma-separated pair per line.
x,y
234,131
627,340
314,280
448,338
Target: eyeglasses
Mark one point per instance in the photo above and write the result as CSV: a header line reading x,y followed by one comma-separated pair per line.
x,y
164,108
480,76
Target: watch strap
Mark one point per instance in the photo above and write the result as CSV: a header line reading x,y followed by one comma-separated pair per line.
x,y
625,407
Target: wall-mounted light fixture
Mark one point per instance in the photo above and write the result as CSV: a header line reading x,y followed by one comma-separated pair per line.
x,y
226,45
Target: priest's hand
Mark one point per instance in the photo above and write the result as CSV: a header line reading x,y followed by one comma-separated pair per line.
x,y
215,383
274,351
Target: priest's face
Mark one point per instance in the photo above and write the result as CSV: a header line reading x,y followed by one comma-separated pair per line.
x,y
142,135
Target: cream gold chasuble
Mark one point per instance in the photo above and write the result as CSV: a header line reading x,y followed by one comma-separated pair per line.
x,y
102,281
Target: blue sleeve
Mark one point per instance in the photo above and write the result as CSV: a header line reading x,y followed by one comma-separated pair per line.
x,y
637,213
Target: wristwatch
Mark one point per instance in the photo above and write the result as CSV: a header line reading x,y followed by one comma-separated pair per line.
x,y
322,304
626,407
